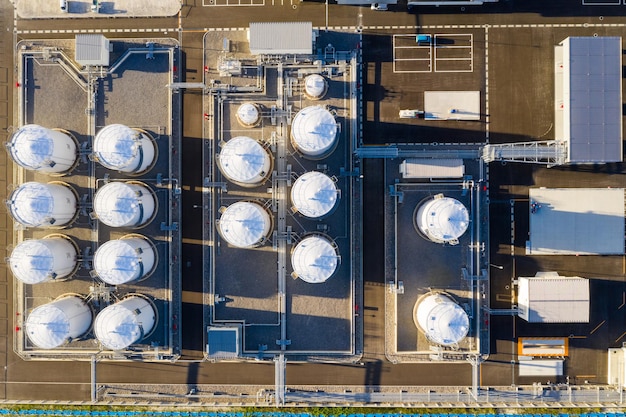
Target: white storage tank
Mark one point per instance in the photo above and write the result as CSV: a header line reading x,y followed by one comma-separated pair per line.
x,y
44,150
36,204
248,115
53,324
126,322
125,149
315,86
245,224
314,259
125,260
314,132
314,194
125,204
40,260
244,161
442,320
441,219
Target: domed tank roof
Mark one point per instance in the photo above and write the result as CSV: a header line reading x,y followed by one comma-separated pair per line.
x,y
314,131
244,224
442,320
243,160
442,219
125,149
36,204
124,204
315,86
36,148
124,323
51,325
125,260
40,260
314,194
248,114
314,259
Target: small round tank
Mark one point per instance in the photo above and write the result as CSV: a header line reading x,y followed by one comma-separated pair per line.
x,y
53,324
41,260
34,204
314,194
314,259
441,319
122,148
36,148
124,323
441,219
131,258
245,224
249,115
315,86
314,132
125,204
245,162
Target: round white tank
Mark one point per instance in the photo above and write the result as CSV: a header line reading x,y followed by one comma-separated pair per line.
x,y
124,204
314,259
314,194
124,323
245,224
442,219
41,260
124,149
244,161
125,260
315,86
43,205
248,115
442,320
314,132
53,324
45,150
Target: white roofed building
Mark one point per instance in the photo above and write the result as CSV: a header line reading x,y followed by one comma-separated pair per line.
x,y
314,132
41,260
314,259
125,260
36,148
245,224
53,324
314,194
125,323
121,148
34,204
442,219
244,161
124,204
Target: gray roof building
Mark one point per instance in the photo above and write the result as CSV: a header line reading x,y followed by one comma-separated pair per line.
x,y
282,38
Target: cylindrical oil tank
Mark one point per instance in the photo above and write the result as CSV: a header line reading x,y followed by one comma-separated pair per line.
x,y
45,150
125,204
124,323
245,224
441,219
244,161
314,259
41,260
314,194
125,260
314,132
315,86
248,115
53,324
122,148
36,204
441,319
